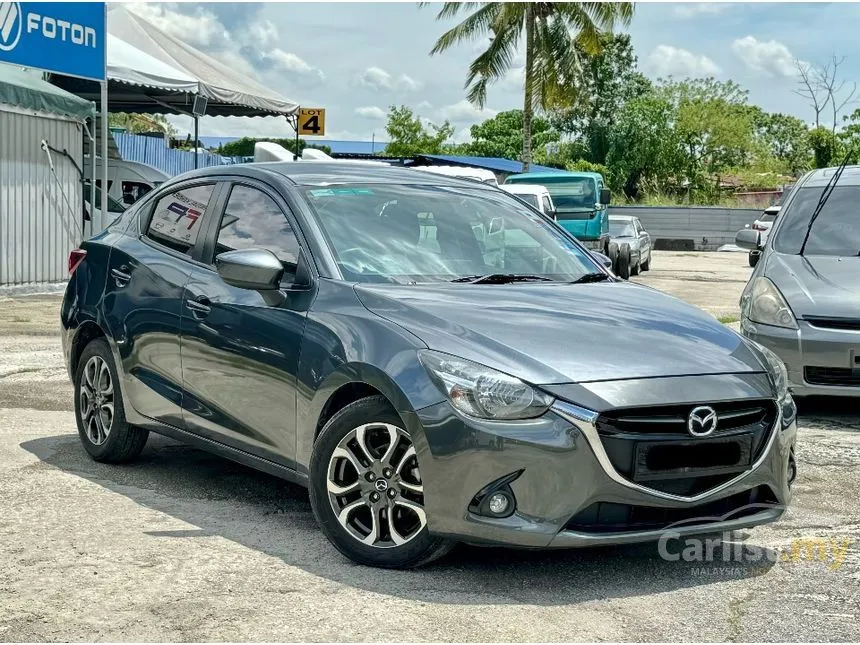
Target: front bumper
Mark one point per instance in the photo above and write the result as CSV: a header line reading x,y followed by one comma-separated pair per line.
x,y
810,347
564,471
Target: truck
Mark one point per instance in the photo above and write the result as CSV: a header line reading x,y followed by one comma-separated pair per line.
x,y
581,202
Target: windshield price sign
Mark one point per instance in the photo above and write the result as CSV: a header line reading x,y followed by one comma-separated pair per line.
x,y
61,37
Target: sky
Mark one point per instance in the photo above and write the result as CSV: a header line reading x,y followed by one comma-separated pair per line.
x,y
357,59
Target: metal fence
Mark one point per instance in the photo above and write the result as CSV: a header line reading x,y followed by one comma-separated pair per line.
x,y
699,228
153,151
39,213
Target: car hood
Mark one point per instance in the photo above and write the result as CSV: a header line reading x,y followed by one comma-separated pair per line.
x,y
817,285
561,333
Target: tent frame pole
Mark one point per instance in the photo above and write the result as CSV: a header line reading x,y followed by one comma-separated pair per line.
x,y
196,132
104,131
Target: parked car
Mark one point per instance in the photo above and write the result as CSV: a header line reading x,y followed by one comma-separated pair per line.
x,y
128,181
401,343
475,174
534,195
803,298
763,225
633,243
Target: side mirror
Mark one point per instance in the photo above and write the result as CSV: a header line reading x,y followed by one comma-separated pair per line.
x,y
747,239
604,260
254,269
605,196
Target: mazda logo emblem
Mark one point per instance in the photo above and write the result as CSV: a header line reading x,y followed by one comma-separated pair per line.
x,y
11,19
381,485
702,421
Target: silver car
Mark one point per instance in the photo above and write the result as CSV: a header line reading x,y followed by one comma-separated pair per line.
x,y
628,230
803,298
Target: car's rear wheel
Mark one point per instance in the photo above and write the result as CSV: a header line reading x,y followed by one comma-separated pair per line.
x,y
646,265
635,268
753,258
366,490
623,262
102,427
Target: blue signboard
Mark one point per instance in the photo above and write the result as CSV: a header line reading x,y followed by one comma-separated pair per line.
x,y
60,37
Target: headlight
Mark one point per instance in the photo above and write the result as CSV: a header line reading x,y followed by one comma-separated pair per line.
x,y
764,304
482,392
779,377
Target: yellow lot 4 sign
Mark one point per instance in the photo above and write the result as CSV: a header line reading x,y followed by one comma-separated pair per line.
x,y
312,121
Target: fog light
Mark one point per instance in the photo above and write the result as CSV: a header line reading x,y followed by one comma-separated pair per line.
x,y
498,503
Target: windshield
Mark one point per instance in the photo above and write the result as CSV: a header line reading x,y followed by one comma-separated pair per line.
x,y
621,229
408,234
835,232
574,194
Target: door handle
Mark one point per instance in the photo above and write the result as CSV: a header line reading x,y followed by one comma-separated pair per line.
x,y
200,307
121,275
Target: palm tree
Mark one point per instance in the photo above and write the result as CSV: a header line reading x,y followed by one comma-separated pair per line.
x,y
552,32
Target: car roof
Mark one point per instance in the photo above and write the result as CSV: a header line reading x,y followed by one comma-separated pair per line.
x,y
323,173
524,188
619,218
820,177
555,175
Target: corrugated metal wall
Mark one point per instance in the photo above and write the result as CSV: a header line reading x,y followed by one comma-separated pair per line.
x,y
37,229
703,228
155,152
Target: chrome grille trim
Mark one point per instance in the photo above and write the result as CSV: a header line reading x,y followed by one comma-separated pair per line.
x,y
585,419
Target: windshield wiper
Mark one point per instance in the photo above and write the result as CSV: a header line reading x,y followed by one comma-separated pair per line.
x,y
825,195
502,278
596,276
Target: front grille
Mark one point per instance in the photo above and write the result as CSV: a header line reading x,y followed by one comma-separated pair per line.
x,y
610,517
838,376
652,446
850,324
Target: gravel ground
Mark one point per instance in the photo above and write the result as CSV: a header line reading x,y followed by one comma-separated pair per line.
x,y
184,546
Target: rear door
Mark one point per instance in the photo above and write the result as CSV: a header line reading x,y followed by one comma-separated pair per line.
x,y
240,348
143,296
644,240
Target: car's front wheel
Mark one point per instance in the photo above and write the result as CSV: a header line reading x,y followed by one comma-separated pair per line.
x,y
99,412
366,490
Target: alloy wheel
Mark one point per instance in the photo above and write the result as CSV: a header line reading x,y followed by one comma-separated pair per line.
x,y
96,400
374,486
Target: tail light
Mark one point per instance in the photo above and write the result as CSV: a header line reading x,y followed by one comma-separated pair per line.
x,y
758,227
75,258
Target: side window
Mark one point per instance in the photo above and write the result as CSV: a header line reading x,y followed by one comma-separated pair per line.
x,y
547,207
253,219
179,216
134,190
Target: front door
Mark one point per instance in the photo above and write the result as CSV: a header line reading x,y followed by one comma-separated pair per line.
x,y
240,348
143,298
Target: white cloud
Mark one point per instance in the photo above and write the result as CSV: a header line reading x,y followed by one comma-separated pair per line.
x,y
371,112
202,29
691,9
292,63
264,34
464,135
770,58
377,79
465,112
425,105
666,60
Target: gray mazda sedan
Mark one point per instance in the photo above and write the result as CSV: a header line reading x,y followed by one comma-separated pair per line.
x,y
435,360
803,298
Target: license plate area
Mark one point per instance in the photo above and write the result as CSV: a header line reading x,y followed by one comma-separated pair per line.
x,y
672,459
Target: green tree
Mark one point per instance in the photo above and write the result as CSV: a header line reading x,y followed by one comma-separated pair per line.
x,y
554,33
502,135
782,137
137,123
713,125
407,135
604,83
825,147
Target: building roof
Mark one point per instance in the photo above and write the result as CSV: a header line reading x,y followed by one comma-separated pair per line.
x,y
27,90
496,164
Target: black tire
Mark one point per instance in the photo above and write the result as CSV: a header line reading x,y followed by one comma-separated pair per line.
x,y
636,268
419,550
623,262
613,254
753,258
123,442
646,266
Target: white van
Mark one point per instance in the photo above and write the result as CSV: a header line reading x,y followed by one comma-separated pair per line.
x,y
534,195
476,174
128,181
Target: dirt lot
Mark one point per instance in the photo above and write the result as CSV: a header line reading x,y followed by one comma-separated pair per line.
x,y
184,546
